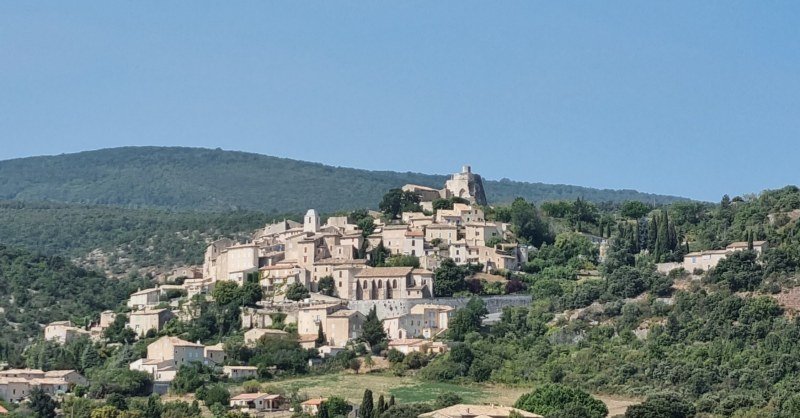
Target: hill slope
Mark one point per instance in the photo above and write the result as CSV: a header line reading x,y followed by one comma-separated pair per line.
x,y
204,179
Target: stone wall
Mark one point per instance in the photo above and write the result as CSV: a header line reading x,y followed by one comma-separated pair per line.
x,y
388,308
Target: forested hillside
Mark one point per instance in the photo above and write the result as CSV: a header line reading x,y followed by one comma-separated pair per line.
x,y
216,180
723,342
38,289
120,240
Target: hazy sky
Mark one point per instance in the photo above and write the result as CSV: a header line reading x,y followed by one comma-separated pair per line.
x,y
694,98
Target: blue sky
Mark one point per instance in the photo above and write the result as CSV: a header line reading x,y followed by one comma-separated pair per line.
x,y
688,98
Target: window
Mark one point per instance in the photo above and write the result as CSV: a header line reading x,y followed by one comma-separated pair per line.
x,y
340,283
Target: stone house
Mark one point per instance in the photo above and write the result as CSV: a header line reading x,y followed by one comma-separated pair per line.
x,y
215,353
240,372
342,326
143,321
63,332
442,232
145,298
393,283
312,406
257,402
252,336
175,349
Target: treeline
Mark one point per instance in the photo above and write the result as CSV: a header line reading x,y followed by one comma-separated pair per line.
x,y
704,349
131,238
217,180
39,289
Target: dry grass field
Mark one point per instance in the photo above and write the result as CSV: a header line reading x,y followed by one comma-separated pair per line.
x,y
409,389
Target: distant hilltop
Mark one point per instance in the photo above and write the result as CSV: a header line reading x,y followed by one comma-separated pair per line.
x,y
215,180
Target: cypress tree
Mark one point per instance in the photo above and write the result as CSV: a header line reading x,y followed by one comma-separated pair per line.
x,y
662,237
652,234
381,407
366,405
320,336
391,402
750,240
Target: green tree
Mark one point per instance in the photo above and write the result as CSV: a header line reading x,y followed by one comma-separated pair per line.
x,y
320,341
226,292
396,201
250,293
366,405
467,319
106,411
327,286
378,255
626,282
336,406
668,405
191,377
118,331
527,224
739,271
42,405
215,394
118,401
372,331
403,261
90,358
443,400
550,399
296,292
380,407
449,279
367,226
634,209
153,407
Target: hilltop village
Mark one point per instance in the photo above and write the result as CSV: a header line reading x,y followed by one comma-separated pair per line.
x,y
320,284
455,306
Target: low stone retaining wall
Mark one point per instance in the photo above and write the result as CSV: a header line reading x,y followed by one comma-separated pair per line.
x,y
388,308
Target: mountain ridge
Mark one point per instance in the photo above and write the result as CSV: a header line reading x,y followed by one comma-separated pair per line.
x,y
184,178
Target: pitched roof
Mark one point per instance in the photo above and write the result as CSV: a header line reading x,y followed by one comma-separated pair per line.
x,y
239,368
177,342
743,244
418,309
316,401
384,272
149,311
267,331
475,411
254,396
441,226
58,373
344,313
218,347
406,341
337,261
146,291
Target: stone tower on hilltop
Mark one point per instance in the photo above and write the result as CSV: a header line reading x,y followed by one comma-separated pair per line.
x,y
466,185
